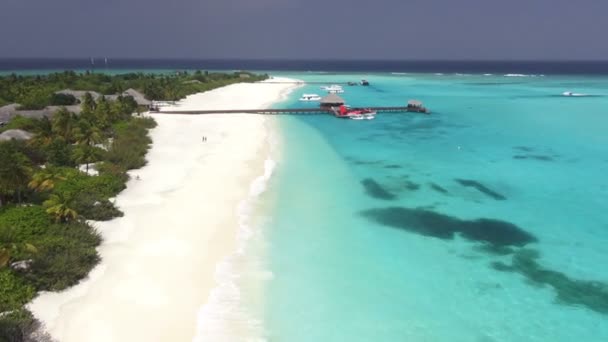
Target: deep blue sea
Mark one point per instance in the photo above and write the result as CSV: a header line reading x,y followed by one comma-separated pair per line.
x,y
484,221
110,65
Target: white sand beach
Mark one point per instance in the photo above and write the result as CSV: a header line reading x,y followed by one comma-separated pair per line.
x,y
159,260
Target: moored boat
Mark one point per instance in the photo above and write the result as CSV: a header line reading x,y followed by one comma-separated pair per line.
x,y
355,114
333,87
310,97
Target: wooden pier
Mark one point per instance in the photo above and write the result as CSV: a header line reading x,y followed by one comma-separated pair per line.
x,y
287,111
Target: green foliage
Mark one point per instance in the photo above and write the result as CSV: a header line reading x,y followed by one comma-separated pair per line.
x,y
88,103
16,325
36,92
63,124
21,122
58,152
66,253
130,144
63,100
15,170
61,207
18,224
14,292
45,179
93,209
103,186
34,98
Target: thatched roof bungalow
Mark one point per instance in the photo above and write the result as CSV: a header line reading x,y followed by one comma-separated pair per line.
x,y
79,94
332,100
416,106
137,96
414,103
16,134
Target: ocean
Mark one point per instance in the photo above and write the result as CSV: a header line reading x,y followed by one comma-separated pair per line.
x,y
484,221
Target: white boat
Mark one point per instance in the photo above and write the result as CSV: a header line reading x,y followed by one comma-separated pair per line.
x,y
332,87
364,114
569,93
335,91
310,97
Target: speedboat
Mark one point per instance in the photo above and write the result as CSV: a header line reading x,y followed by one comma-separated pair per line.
x,y
569,93
364,83
336,91
361,114
310,97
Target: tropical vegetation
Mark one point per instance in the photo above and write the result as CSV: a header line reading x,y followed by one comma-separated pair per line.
x,y
54,184
39,91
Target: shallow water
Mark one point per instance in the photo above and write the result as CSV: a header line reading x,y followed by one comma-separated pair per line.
x,y
484,221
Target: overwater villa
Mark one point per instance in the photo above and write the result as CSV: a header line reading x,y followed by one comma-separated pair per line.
x,y
416,106
331,100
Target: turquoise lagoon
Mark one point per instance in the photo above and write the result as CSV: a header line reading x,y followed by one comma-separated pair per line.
x,y
485,221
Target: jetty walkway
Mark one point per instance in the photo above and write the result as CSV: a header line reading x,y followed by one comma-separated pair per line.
x,y
287,111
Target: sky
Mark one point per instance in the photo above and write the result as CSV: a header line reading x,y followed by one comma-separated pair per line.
x,y
306,29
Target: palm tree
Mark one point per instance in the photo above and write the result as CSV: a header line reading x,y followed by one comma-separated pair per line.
x,y
59,205
85,154
88,103
15,170
103,114
44,133
87,134
45,179
62,124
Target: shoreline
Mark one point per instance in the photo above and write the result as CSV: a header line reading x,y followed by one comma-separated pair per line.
x,y
159,261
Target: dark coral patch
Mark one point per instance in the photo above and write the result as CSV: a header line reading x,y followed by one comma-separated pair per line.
x,y
591,294
523,148
438,188
534,156
481,188
375,190
496,233
411,186
393,166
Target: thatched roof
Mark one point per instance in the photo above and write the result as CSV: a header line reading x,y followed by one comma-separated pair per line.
x,y
7,112
332,99
34,113
79,94
16,134
111,97
414,103
137,96
74,108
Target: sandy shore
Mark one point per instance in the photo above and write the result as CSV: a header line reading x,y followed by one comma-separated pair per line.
x,y
159,260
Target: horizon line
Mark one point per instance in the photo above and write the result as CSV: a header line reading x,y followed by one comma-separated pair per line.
x,y
302,59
